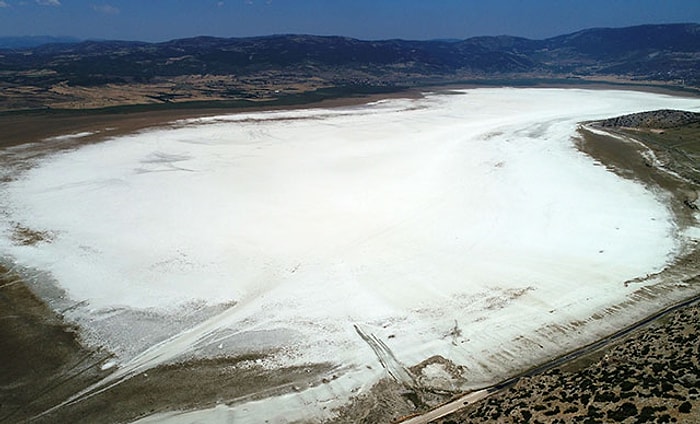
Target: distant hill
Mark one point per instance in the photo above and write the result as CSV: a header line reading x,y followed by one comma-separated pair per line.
x,y
269,67
33,41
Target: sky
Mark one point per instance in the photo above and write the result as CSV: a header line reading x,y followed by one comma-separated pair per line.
x,y
161,20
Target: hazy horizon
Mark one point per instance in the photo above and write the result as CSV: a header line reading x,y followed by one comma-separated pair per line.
x,y
162,20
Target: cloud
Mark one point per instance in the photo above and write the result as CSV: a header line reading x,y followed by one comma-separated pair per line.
x,y
107,9
220,3
253,2
4,4
48,2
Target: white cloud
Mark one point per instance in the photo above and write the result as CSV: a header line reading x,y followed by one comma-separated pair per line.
x,y
48,2
220,3
4,4
105,9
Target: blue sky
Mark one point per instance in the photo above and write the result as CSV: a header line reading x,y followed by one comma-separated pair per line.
x,y
159,20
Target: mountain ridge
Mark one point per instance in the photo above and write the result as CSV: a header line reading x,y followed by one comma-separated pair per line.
x,y
267,67
29,41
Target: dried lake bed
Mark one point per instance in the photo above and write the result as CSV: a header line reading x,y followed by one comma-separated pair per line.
x,y
444,242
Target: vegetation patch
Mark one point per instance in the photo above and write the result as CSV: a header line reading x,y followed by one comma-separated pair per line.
x,y
28,237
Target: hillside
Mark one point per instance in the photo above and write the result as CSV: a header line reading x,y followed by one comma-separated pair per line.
x,y
107,73
658,119
673,135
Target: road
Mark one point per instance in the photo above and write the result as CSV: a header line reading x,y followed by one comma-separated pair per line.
x,y
450,407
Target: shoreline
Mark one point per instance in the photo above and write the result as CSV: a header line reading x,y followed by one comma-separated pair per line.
x,y
135,117
137,121
345,92
113,122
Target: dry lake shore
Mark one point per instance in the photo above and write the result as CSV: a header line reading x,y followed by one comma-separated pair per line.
x,y
652,374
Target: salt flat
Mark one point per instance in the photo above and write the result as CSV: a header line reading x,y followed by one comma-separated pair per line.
x,y
461,225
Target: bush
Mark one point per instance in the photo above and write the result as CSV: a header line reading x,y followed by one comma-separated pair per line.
x,y
646,415
625,410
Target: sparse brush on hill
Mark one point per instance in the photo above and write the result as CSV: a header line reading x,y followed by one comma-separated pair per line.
x,y
659,119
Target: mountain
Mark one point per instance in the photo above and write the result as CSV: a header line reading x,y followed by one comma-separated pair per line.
x,y
209,68
648,52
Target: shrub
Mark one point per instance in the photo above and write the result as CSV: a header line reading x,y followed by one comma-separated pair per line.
x,y
625,410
